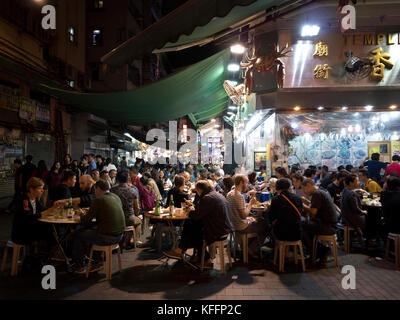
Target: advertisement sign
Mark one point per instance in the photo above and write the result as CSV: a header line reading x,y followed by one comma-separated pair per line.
x,y
260,160
42,113
395,148
27,109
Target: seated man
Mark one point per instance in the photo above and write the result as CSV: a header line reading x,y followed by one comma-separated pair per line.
x,y
209,221
63,191
130,204
369,185
350,205
110,225
86,185
323,216
240,215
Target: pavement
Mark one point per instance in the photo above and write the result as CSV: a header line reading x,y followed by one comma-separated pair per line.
x,y
142,278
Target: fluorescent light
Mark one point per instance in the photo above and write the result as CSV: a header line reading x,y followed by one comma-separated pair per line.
x,y
321,108
233,67
238,49
310,31
232,107
230,112
368,108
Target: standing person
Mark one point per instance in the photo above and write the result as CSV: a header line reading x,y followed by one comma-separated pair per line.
x,y
113,175
99,162
394,166
17,189
84,166
110,225
67,165
92,164
242,222
350,204
54,179
130,204
323,216
123,165
109,166
42,173
374,167
25,172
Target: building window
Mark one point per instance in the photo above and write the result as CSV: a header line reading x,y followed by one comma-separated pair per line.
x,y
97,36
121,35
98,4
71,34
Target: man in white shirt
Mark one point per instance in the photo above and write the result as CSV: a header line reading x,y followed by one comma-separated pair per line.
x,y
109,166
241,220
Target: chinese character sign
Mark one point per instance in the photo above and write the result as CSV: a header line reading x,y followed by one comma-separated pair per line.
x,y
321,49
380,61
322,71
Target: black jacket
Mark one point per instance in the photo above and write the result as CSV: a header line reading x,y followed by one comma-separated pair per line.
x,y
285,220
391,209
24,227
62,192
87,197
213,210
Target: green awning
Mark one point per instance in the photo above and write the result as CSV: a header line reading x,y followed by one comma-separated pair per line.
x,y
196,91
194,21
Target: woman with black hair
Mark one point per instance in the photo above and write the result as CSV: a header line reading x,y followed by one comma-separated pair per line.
x,y
54,178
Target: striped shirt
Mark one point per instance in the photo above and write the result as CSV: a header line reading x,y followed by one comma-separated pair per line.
x,y
238,207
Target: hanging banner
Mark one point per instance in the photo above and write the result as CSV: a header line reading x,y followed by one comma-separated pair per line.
x,y
395,148
27,109
42,113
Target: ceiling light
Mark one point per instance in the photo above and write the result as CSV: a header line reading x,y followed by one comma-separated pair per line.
x,y
320,108
393,107
294,125
238,49
356,114
310,31
368,108
345,108
297,108
233,67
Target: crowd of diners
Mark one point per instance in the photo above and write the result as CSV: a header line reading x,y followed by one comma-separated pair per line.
x,y
304,202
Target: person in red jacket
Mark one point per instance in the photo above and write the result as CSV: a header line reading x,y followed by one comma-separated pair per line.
x,y
394,167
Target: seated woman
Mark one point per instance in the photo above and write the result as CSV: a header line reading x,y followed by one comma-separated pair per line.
x,y
176,193
26,228
285,213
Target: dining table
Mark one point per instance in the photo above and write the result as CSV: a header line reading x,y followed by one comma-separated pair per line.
x,y
165,218
61,219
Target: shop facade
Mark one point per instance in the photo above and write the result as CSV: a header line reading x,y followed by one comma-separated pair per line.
x,y
338,99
